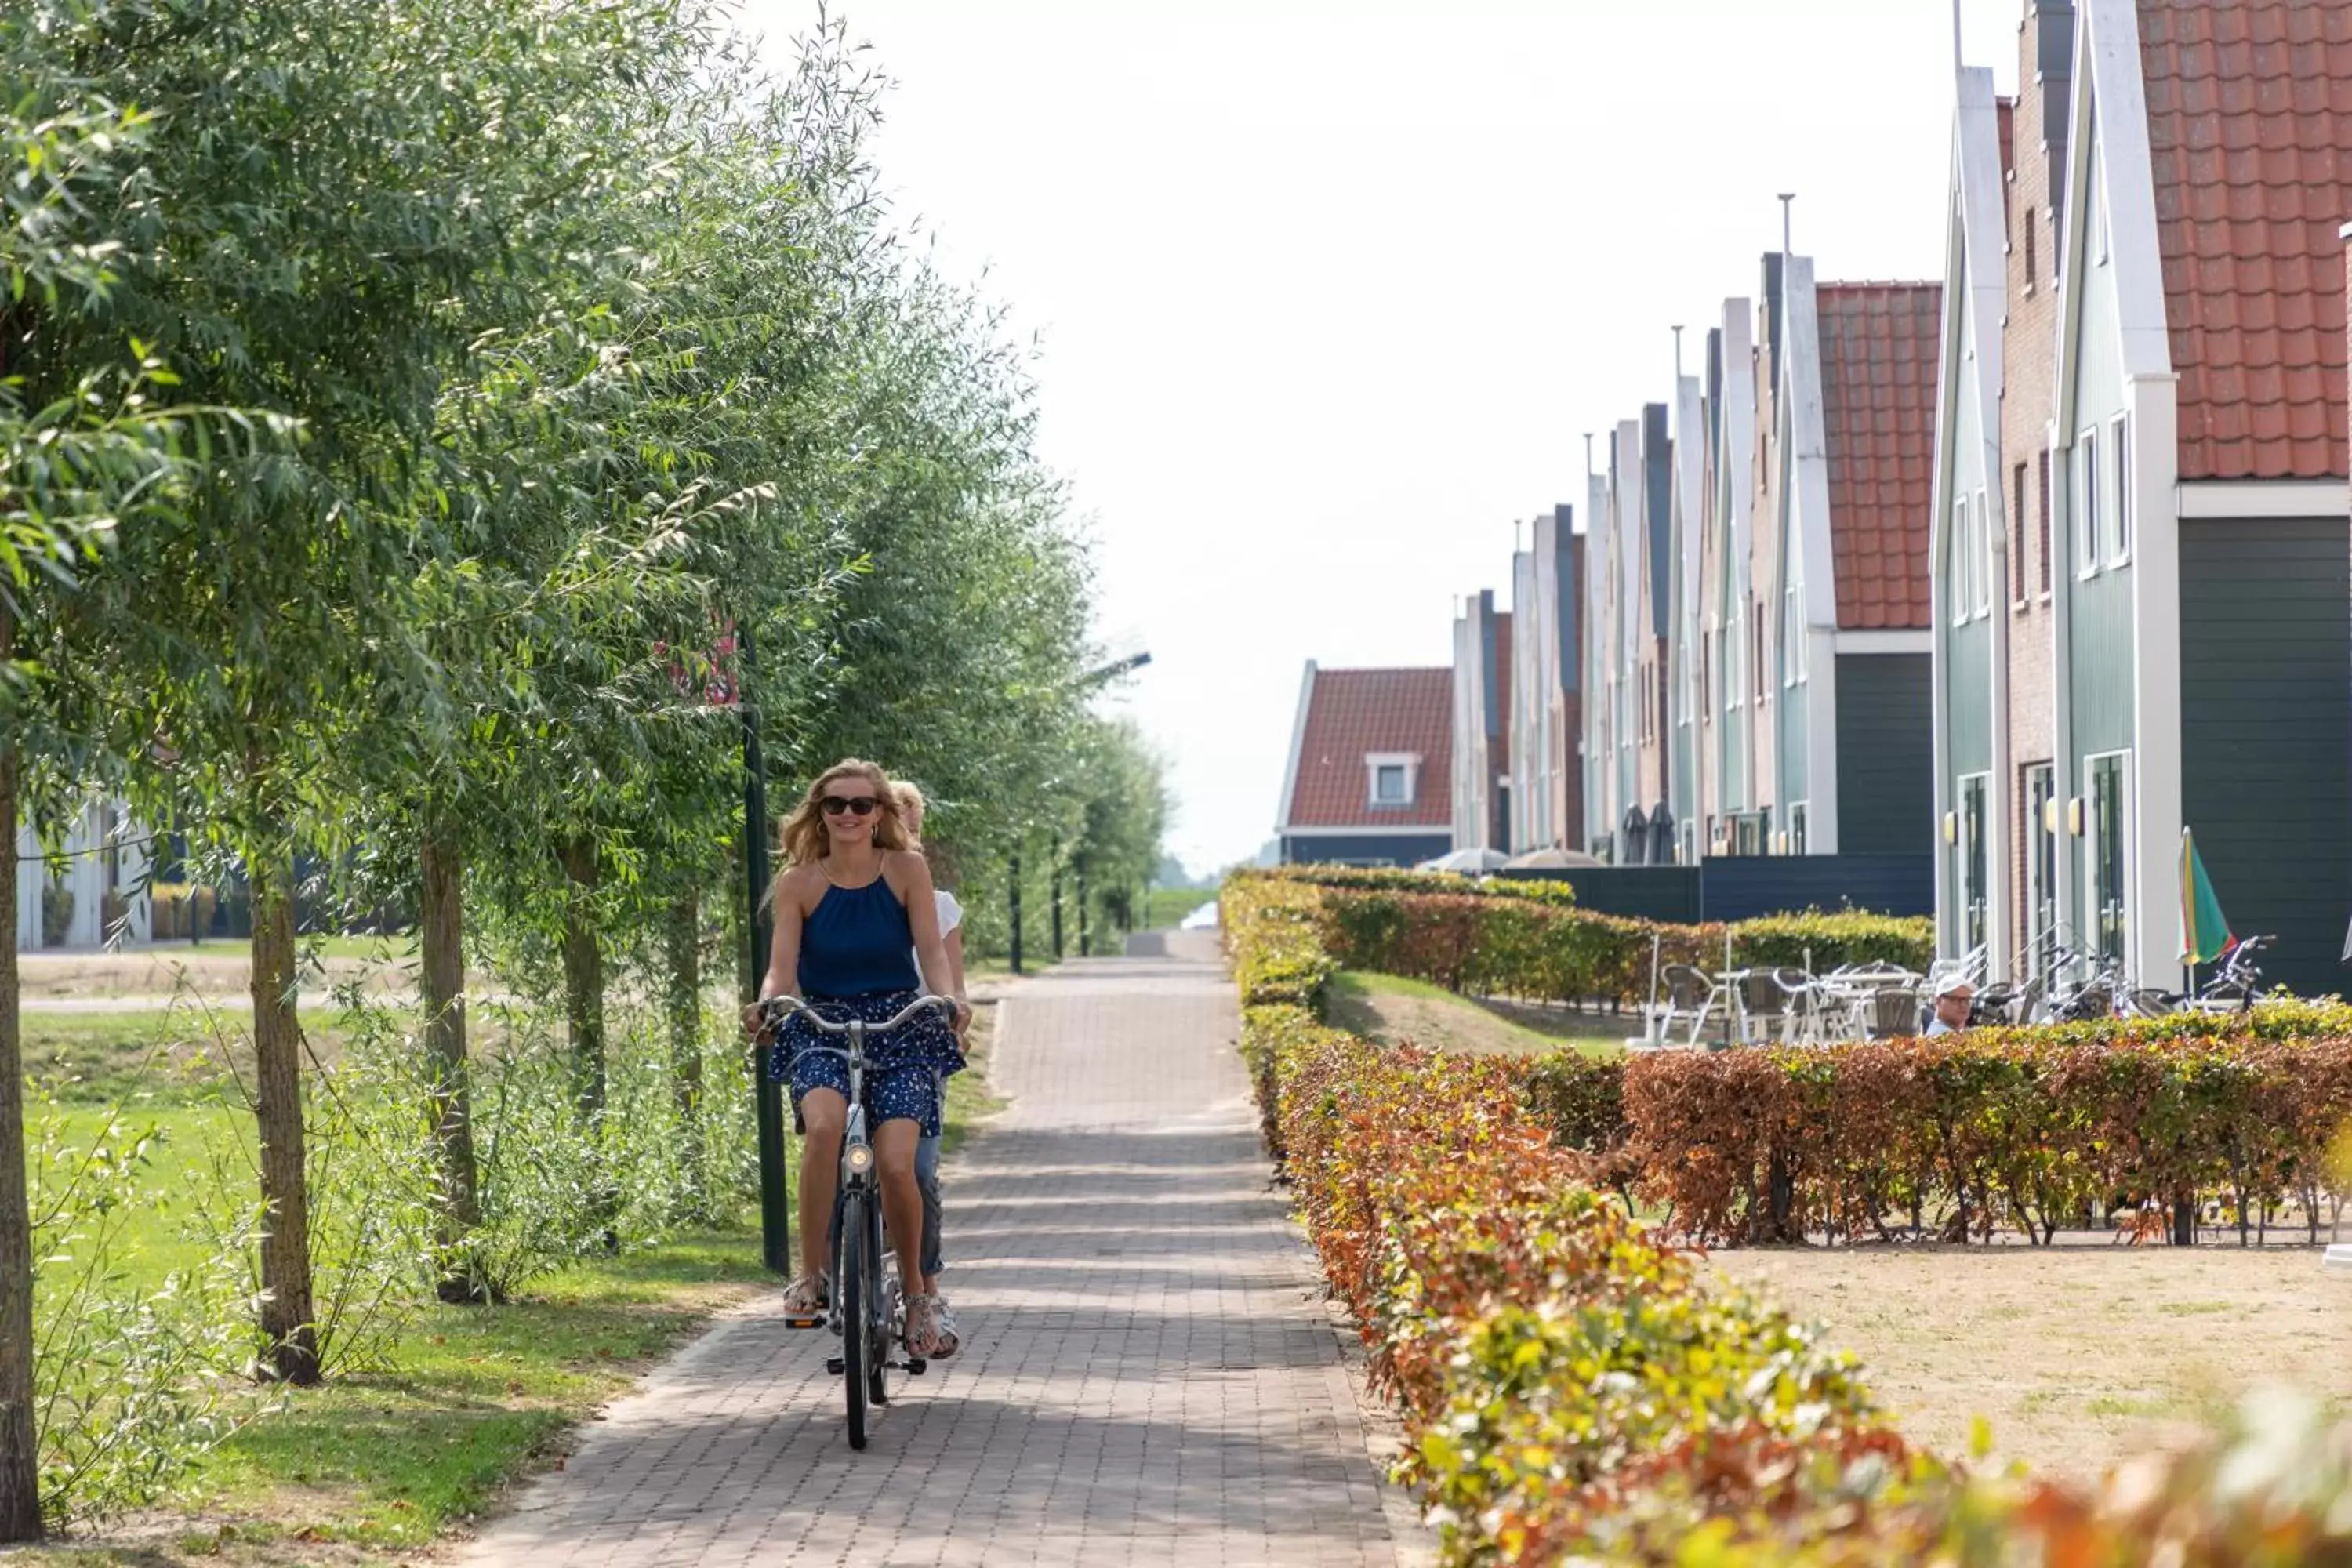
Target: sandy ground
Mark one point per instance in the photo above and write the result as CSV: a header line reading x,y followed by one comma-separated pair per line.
x,y
129,977
2077,1355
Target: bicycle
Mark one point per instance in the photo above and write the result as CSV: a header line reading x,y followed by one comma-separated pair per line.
x,y
2232,988
859,1311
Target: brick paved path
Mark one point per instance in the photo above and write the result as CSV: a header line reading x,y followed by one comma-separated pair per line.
x,y
1146,1378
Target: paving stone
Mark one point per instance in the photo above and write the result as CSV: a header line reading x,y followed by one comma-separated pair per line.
x,y
1148,1375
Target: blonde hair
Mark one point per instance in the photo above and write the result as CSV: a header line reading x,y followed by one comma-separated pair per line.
x,y
805,839
911,805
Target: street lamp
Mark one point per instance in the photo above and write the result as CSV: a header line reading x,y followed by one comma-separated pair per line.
x,y
1087,682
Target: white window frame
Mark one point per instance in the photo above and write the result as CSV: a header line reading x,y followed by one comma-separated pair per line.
x,y
2085,501
2119,437
1982,554
2091,935
1792,632
1376,761
1964,593
1965,845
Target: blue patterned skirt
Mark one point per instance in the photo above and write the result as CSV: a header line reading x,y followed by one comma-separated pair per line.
x,y
906,1070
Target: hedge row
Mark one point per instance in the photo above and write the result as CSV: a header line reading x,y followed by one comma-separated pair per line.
x,y
1471,937
1959,1134
1574,1391
1382,880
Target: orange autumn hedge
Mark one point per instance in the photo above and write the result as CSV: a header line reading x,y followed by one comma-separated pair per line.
x,y
1576,1391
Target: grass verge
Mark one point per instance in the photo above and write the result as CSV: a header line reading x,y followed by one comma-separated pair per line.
x,y
1393,1010
373,1466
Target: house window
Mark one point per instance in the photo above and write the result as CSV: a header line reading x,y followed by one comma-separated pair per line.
x,y
2110,917
1393,777
1959,560
2017,535
1797,829
1792,635
2119,533
2028,248
2041,515
1982,554
2040,838
1971,867
1756,623
2086,502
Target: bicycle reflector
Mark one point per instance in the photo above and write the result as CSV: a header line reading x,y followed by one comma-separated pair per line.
x,y
861,1159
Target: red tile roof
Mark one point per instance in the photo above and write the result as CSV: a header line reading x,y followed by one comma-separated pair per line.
x,y
1352,713
2250,125
1879,343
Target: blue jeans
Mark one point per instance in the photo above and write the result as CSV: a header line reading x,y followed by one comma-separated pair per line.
x,y
927,1177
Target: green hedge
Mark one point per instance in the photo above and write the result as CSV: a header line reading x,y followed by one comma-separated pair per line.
x,y
1543,948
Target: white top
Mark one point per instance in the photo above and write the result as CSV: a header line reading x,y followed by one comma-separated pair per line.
x,y
950,917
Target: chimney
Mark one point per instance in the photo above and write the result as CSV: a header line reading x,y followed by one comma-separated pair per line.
x,y
2050,52
1772,311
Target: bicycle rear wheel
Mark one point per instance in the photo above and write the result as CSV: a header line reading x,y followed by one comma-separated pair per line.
x,y
857,1336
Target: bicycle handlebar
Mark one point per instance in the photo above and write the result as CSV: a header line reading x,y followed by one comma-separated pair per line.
x,y
779,1008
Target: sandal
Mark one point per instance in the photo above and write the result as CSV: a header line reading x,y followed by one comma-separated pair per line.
x,y
945,1335
808,1294
922,1339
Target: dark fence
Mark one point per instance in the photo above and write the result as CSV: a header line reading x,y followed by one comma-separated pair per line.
x,y
1742,887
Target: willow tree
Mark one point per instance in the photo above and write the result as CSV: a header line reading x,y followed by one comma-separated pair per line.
x,y
328,183
72,469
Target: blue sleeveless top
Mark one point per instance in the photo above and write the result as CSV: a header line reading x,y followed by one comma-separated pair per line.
x,y
857,942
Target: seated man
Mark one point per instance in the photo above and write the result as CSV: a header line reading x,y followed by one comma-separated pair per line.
x,y
1953,1001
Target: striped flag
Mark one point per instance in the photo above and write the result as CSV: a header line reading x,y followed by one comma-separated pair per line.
x,y
2204,934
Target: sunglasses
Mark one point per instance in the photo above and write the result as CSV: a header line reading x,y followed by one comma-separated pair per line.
x,y
849,805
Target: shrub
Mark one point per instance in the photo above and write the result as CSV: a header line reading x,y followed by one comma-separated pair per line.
x,y
133,1373
1959,1134
1466,936
1573,1391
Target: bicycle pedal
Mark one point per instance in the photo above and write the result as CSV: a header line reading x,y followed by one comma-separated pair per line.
x,y
913,1368
833,1365
803,1322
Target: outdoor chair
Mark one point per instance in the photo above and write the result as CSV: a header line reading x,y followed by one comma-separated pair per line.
x,y
1894,1013
1766,1004
1688,1000
1803,1001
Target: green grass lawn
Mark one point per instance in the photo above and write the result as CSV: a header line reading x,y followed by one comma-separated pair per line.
x,y
145,1056
474,1397
400,944
1165,908
1392,1010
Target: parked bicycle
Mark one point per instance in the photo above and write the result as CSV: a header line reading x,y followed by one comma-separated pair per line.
x,y
864,1305
2232,988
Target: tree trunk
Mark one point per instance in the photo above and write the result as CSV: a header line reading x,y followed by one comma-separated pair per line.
x,y
441,931
683,937
287,1314
20,1468
583,974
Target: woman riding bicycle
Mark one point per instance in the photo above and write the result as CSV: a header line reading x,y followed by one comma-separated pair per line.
x,y
854,913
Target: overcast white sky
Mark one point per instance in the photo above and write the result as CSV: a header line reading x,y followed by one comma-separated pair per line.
x,y
1326,294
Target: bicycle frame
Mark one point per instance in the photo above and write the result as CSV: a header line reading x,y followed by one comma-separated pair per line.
x,y
865,1358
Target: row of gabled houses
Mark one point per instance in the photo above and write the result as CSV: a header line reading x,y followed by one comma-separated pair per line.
x,y
2020,571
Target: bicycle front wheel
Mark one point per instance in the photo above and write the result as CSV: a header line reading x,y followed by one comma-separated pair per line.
x,y
877,1355
857,1340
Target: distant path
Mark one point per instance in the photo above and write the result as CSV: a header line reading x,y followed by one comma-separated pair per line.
x,y
1147,1377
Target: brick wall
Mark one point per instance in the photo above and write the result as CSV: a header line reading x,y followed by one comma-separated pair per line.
x,y
2029,372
